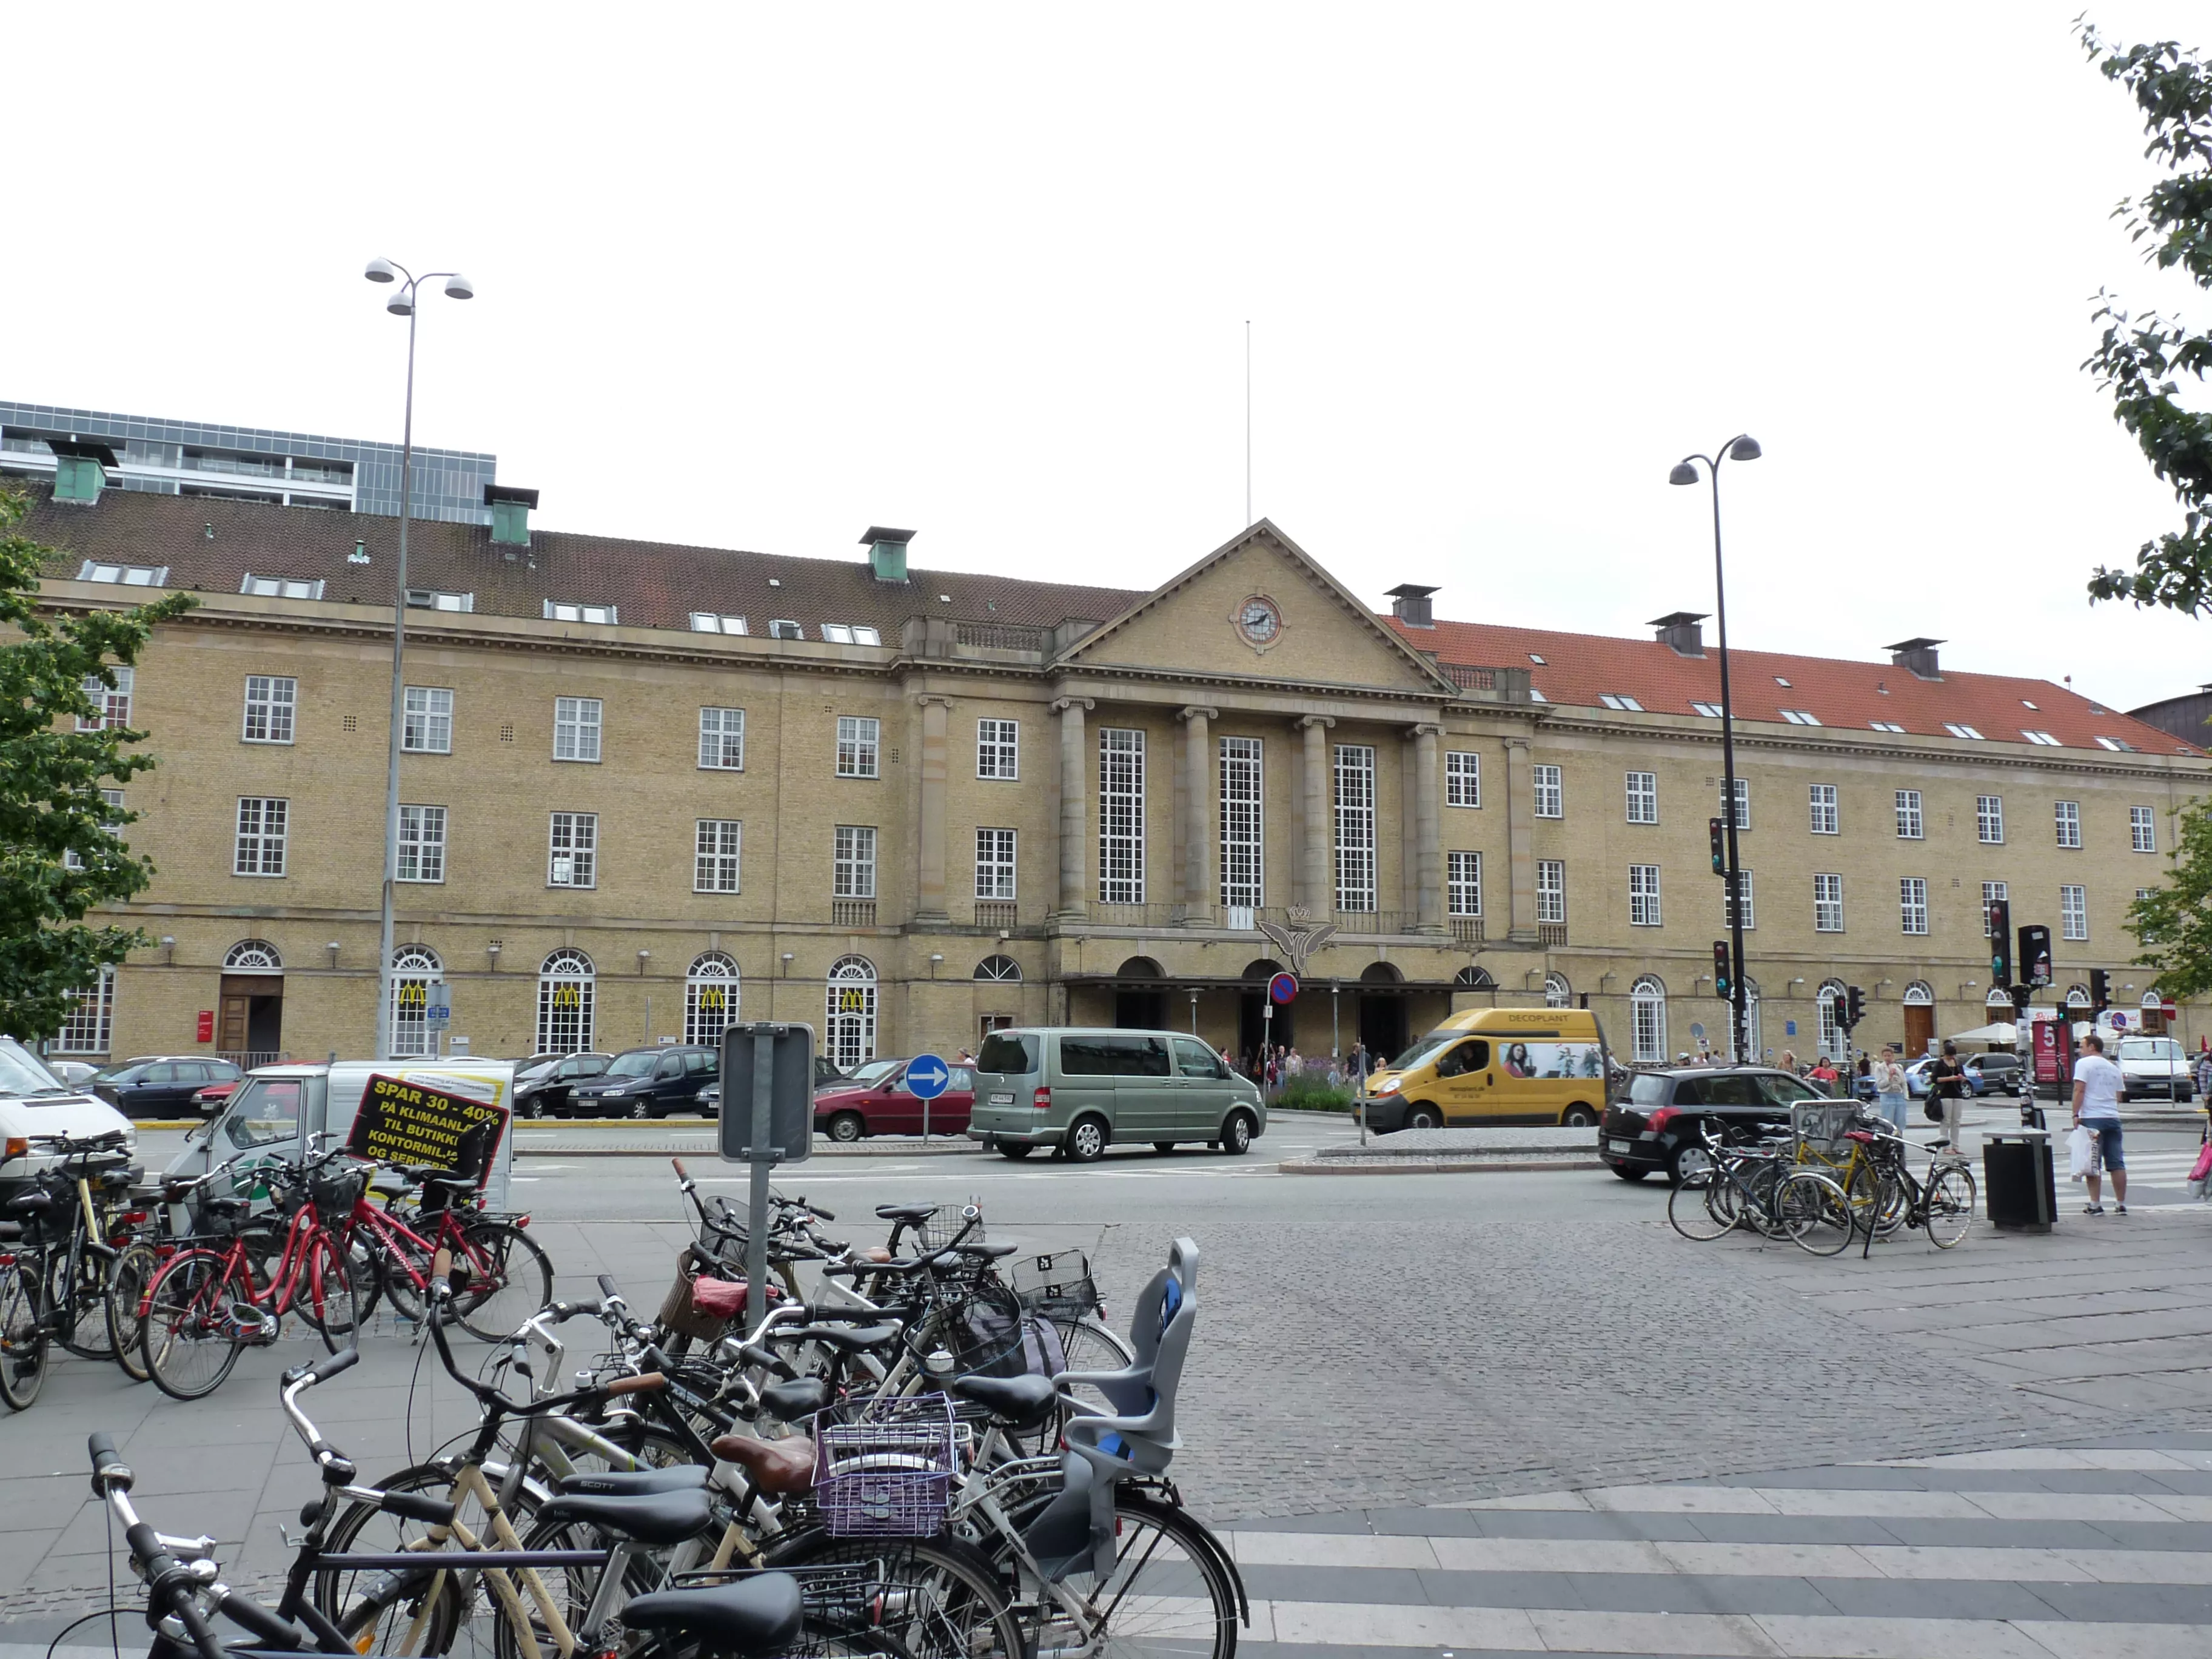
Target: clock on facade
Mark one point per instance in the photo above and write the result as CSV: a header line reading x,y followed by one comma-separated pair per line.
x,y
1259,621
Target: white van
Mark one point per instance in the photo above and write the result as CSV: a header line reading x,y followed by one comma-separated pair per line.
x,y
34,1102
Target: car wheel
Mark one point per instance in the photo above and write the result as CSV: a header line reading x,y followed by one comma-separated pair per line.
x,y
1015,1149
1580,1117
1237,1134
846,1127
1690,1161
1086,1140
1628,1172
1424,1117
640,1109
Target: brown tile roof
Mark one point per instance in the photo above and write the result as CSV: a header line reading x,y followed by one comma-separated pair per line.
x,y
1579,668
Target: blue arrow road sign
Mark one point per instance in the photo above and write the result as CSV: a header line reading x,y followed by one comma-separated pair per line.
x,y
926,1076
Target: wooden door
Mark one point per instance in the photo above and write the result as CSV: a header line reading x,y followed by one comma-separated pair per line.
x,y
1919,1028
230,1030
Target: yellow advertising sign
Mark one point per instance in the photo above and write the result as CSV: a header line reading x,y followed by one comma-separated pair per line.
x,y
404,1122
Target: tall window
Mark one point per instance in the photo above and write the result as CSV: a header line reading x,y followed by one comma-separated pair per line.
x,y
114,708
1551,890
1463,883
1462,778
1821,800
565,985
1120,816
1908,815
1833,1044
1993,894
1557,993
1647,1018
111,820
270,702
997,749
1742,803
1989,819
852,874
1243,846
2143,831
995,864
91,1016
1827,904
710,997
2068,816
722,739
1549,792
422,843
426,721
1750,902
1643,798
716,848
1912,903
2073,912
1355,827
848,1028
576,728
264,823
414,969
1644,895
859,745
573,857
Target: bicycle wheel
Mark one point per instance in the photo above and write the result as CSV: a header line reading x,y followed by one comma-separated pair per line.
x,y
1693,1211
1949,1199
951,1604
1815,1214
432,1611
510,1278
129,1277
1169,1596
1877,1200
189,1350
78,1292
22,1331
322,1293
570,1589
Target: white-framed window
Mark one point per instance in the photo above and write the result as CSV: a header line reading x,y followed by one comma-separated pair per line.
x,y
1712,711
2142,830
252,955
114,705
1800,717
426,721
1120,816
713,622
1643,797
422,843
1993,894
848,1026
850,633
1742,803
1462,777
129,575
1958,730
271,700
1833,1044
111,820
716,849
1557,993
1243,824
1552,889
2073,913
281,588
1885,725
1821,802
999,970
852,862
999,749
995,864
1644,895
1355,827
1463,884
2142,893
2043,738
264,824
2068,817
1827,903
1750,902
86,1030
1548,791
576,724
859,746
1989,819
573,859
431,598
566,984
710,997
2117,745
414,969
1909,820
1619,700
722,739
1647,1018
783,627
1912,904
558,610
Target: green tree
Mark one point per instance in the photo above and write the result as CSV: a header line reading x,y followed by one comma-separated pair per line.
x,y
2141,360
2174,922
59,853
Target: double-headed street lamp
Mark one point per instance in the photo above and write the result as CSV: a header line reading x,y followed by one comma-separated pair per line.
x,y
401,304
1742,447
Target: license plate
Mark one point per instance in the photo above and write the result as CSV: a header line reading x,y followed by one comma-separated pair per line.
x,y
1620,1145
1002,1100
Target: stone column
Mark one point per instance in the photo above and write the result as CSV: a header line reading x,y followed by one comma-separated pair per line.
x,y
1314,866
1074,810
929,871
1429,831
1195,831
1520,842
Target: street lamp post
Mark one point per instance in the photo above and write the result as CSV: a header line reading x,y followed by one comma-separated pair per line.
x,y
401,304
1742,447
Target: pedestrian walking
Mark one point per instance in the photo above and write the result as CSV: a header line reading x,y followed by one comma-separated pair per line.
x,y
2099,1088
1294,1065
1946,1081
1789,1062
1891,1096
2204,1076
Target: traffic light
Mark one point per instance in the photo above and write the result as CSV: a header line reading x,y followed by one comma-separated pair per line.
x,y
2000,945
1854,1007
1720,849
1723,982
2100,989
2035,955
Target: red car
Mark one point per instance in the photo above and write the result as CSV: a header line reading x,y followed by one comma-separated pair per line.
x,y
880,1104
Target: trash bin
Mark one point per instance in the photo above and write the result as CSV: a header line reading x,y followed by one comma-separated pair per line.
x,y
2017,1178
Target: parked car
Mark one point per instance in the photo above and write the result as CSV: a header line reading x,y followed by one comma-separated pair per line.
x,y
1994,1073
850,1111
649,1083
826,1076
2154,1065
213,1098
1079,1091
34,1102
1661,1125
75,1072
544,1090
159,1085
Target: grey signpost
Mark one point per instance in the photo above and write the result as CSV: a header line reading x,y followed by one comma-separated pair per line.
x,y
775,1061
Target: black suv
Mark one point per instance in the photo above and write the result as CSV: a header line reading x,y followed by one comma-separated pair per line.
x,y
159,1085
543,1084
1660,1123
649,1083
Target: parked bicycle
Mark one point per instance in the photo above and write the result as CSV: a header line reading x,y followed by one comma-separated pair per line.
x,y
1756,1186
55,1250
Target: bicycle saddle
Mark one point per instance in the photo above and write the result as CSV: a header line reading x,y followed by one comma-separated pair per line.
x,y
30,1202
801,1397
1021,1401
776,1465
632,1483
758,1614
906,1212
658,1517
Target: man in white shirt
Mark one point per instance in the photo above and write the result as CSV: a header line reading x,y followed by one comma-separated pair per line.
x,y
2098,1088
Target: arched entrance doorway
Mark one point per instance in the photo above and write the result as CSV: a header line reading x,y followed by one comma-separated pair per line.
x,y
252,1032
1255,1030
1919,1019
1382,1011
1141,1005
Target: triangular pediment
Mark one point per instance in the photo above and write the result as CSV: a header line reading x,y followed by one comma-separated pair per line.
x,y
1260,606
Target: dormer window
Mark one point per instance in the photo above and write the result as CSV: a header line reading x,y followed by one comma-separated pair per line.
x,y
784,628
281,588
2042,738
129,575
557,612
432,599
1710,710
1957,730
1885,726
2120,746
1616,700
850,633
1799,717
710,621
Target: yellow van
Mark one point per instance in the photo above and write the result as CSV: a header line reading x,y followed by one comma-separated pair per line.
x,y
1496,1066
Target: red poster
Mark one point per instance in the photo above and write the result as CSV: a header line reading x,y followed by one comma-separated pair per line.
x,y
2054,1046
207,1025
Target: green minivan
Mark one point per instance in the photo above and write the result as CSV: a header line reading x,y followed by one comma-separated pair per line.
x,y
1079,1090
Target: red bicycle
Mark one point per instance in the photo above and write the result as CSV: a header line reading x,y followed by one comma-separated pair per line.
x,y
510,1279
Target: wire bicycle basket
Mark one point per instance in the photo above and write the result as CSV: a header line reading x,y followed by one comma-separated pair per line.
x,y
942,1226
889,1477
1056,1287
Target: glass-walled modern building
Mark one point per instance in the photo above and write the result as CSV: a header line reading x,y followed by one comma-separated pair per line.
x,y
242,462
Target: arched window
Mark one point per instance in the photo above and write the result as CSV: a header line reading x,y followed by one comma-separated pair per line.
x,y
1004,970
1999,998
415,969
1262,969
849,1023
1557,993
1647,1018
254,956
1380,973
2077,996
1473,978
1919,994
565,984
1833,1044
1139,968
710,997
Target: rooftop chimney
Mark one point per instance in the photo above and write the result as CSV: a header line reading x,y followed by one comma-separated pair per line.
x,y
81,469
1679,632
886,552
510,513
1917,655
1409,603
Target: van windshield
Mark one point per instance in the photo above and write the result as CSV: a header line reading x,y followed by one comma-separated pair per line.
x,y
1420,1053
22,1073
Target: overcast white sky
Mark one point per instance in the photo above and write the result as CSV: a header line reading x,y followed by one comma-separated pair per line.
x,y
759,278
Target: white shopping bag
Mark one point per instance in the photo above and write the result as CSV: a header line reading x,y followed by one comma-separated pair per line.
x,y
2081,1149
